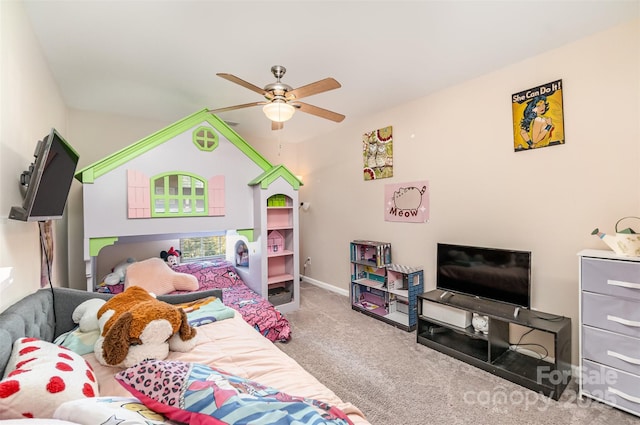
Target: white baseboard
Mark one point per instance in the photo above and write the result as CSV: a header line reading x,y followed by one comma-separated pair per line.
x,y
325,285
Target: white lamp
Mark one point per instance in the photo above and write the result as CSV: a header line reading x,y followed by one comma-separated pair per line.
x,y
278,110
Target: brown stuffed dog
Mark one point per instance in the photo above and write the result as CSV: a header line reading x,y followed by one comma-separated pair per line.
x,y
135,326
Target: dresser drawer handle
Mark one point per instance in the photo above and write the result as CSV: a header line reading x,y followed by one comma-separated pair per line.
x,y
623,357
623,395
624,321
623,284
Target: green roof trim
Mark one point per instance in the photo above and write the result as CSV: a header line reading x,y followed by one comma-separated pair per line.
x,y
91,172
248,233
269,176
96,244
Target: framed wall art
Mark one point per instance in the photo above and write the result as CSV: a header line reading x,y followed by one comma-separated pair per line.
x,y
407,202
538,118
377,153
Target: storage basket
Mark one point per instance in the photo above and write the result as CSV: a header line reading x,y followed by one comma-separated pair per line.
x,y
279,296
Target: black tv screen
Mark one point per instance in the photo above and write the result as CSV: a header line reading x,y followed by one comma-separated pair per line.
x,y
496,274
48,180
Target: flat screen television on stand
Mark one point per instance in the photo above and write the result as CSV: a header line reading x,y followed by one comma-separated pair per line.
x,y
502,275
47,181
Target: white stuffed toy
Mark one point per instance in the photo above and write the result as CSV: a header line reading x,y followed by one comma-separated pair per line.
x,y
86,314
119,272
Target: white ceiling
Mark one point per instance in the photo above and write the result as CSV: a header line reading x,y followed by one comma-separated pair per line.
x,y
159,59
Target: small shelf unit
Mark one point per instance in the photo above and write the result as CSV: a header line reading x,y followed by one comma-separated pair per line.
x,y
280,254
381,289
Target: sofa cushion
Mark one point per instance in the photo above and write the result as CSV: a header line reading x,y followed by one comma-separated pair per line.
x,y
40,376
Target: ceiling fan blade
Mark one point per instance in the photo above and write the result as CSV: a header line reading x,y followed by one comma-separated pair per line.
x,y
320,112
231,108
277,125
245,84
313,88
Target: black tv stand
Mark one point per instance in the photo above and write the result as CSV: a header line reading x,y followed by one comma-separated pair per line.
x,y
494,351
446,294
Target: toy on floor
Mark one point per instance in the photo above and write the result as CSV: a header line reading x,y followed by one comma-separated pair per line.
x,y
135,326
171,257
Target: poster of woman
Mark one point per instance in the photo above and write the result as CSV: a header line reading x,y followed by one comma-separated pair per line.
x,y
538,117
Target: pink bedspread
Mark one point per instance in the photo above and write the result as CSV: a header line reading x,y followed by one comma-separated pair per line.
x,y
255,310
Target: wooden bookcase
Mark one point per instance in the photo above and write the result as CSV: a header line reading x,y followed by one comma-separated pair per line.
x,y
281,286
276,227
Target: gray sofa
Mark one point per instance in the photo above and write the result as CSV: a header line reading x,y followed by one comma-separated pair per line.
x,y
46,313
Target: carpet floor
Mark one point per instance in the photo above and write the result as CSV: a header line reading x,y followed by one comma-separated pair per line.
x,y
396,381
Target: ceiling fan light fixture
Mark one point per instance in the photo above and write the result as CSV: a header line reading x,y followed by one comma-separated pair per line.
x,y
278,110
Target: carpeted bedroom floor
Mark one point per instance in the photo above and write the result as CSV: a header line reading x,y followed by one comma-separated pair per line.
x,y
396,381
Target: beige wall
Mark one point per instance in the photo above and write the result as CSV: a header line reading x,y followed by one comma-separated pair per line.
x,y
481,191
30,104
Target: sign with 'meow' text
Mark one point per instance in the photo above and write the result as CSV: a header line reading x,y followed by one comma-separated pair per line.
x,y
407,202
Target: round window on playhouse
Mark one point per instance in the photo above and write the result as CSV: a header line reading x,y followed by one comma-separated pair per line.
x,y
205,138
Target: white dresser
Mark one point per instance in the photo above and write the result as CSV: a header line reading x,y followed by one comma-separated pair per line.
x,y
610,329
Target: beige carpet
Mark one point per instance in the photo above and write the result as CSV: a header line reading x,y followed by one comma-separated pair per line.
x,y
396,381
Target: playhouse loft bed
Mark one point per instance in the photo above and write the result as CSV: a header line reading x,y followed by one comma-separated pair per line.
x,y
197,177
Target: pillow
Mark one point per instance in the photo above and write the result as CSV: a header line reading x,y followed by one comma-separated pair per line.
x,y
36,422
154,275
198,394
108,410
40,376
78,341
206,310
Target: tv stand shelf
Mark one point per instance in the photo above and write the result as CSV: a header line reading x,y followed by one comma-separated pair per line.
x,y
492,351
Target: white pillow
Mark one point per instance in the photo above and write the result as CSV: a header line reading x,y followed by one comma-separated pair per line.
x,y
37,422
40,376
115,410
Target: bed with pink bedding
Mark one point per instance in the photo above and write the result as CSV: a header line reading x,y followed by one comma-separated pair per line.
x,y
255,310
221,274
232,346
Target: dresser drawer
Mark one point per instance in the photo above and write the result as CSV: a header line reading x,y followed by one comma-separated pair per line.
x,y
611,277
611,349
612,386
613,314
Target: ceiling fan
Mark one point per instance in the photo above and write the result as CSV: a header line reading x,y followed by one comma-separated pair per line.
x,y
282,100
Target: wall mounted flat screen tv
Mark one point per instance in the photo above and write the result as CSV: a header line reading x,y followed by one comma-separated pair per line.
x,y
496,274
47,180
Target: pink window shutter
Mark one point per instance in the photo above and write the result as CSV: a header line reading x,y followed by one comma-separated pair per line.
x,y
138,197
216,196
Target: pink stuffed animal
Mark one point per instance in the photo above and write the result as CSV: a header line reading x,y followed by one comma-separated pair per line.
x,y
157,277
